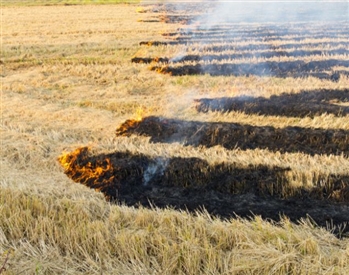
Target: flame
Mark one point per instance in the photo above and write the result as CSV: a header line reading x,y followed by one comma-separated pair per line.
x,y
64,160
140,10
139,114
98,174
126,128
164,18
161,70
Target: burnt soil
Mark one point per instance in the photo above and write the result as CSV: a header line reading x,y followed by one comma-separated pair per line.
x,y
219,57
297,69
223,190
243,136
169,19
304,104
255,46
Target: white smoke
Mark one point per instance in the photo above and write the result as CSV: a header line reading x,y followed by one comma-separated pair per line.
x,y
156,168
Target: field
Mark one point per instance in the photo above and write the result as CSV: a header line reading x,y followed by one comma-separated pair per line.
x,y
213,142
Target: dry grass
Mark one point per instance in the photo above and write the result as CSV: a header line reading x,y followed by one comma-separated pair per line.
x,y
45,238
67,81
26,3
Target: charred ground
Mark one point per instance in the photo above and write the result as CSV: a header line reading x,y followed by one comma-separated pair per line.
x,y
234,135
223,190
304,104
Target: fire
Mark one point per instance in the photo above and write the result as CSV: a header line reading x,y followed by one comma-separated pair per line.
x,y
160,69
164,18
94,173
139,114
123,129
140,10
65,160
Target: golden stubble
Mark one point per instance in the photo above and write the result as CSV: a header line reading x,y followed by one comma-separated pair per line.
x,y
67,81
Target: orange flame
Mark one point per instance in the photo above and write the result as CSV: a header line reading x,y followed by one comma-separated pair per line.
x,y
78,166
124,129
139,114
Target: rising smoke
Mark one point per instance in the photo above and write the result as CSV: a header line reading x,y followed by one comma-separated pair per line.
x,y
275,12
155,168
235,31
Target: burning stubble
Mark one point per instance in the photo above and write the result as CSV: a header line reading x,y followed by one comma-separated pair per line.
x,y
280,33
219,45
234,135
192,183
98,175
69,83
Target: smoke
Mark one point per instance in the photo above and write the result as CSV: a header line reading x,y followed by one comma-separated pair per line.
x,y
154,169
259,23
262,38
275,12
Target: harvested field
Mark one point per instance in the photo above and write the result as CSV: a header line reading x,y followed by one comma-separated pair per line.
x,y
233,135
230,154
